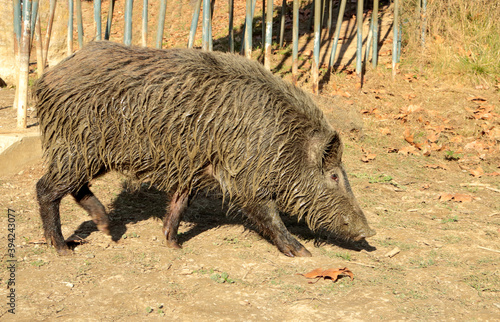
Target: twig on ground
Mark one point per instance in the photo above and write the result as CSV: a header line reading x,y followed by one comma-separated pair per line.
x,y
491,250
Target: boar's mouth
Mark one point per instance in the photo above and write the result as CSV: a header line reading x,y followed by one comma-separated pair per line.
x,y
369,233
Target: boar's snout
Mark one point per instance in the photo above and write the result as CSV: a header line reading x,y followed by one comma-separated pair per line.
x,y
365,233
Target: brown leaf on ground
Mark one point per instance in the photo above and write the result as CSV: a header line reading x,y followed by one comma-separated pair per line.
x,y
433,137
436,166
412,108
368,157
457,197
460,197
407,150
408,136
477,99
340,92
409,97
477,172
385,131
425,186
331,273
493,174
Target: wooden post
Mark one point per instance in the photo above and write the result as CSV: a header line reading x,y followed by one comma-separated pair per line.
x,y
359,45
17,43
70,27
206,25
424,21
107,32
248,29
161,23
295,41
231,29
395,28
337,33
269,35
282,22
194,23
39,48
127,35
375,33
145,23
79,22
97,19
34,14
317,43
49,31
24,60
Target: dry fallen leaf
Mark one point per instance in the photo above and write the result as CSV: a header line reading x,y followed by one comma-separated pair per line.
x,y
385,131
477,99
408,137
331,273
457,197
368,157
407,150
436,166
477,172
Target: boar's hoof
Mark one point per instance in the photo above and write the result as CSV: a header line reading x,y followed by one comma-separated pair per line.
x,y
104,228
64,251
173,244
291,251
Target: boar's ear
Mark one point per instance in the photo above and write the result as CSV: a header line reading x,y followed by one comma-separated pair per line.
x,y
325,150
332,153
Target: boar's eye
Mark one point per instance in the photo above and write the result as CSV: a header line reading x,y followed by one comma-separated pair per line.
x,y
335,177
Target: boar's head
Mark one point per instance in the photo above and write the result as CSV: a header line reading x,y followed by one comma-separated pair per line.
x,y
320,190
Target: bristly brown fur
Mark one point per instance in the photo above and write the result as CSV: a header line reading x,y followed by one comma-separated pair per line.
x,y
164,116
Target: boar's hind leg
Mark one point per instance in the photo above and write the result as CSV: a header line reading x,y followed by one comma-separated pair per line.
x,y
269,222
86,199
49,197
176,209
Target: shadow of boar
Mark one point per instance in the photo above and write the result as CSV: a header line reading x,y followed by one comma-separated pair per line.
x,y
186,120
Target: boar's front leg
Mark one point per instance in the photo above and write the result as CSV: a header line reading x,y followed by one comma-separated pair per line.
x,y
268,220
49,198
177,206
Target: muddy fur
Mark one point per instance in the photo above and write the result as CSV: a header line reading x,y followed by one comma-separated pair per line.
x,y
185,120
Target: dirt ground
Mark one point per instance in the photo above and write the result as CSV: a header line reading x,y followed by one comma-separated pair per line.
x,y
423,158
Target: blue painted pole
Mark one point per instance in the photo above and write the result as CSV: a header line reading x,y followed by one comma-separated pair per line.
x,y
282,22
194,23
340,18
145,23
48,33
70,27
17,23
317,42
424,21
97,19
24,57
359,45
231,29
269,35
248,29
210,38
127,35
107,32
206,25
395,26
295,41
79,22
34,13
375,33
161,23
245,27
